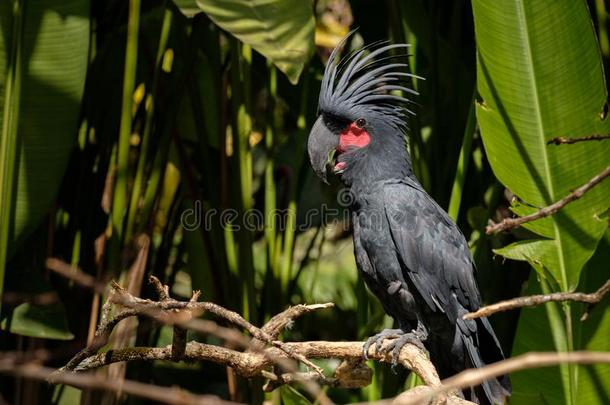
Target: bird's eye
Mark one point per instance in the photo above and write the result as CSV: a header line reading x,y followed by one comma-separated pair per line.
x,y
360,122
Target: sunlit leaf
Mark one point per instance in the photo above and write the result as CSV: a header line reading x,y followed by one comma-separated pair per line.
x,y
41,321
540,76
281,30
290,396
54,54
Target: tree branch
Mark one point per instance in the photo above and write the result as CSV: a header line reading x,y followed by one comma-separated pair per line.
x,y
510,223
265,356
534,300
168,395
564,140
476,376
251,364
162,310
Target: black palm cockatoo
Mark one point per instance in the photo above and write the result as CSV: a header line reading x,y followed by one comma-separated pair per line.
x,y
409,252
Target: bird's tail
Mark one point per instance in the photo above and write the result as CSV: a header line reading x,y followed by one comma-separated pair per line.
x,y
483,348
476,345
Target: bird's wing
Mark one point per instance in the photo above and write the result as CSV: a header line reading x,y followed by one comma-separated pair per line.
x,y
432,250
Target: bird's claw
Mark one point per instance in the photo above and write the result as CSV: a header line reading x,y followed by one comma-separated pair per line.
x,y
396,346
401,338
378,339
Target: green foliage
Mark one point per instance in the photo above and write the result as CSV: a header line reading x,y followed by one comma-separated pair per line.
x,y
193,110
541,385
281,30
290,396
540,76
42,76
43,321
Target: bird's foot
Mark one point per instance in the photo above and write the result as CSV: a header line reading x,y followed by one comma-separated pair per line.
x,y
401,338
395,346
378,339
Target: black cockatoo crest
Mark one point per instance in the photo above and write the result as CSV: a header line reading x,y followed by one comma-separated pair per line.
x,y
361,107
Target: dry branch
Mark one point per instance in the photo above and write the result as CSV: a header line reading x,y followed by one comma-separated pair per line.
x,y
166,395
252,364
162,311
565,140
534,300
476,376
75,274
510,223
265,356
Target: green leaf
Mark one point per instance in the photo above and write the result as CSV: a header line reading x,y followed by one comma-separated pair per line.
x,y
290,396
281,30
52,45
543,227
40,321
44,316
538,386
540,76
66,395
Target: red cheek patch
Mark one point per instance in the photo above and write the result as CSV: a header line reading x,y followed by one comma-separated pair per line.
x,y
353,137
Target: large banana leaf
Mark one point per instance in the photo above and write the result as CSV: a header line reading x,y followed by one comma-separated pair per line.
x,y
281,30
53,47
540,76
43,62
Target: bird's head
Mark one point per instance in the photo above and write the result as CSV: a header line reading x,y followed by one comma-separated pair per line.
x,y
359,133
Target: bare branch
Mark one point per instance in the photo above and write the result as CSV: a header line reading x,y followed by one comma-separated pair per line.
x,y
264,356
280,321
476,376
95,381
252,364
162,290
565,140
510,223
534,300
268,361
75,274
102,335
14,298
193,309
427,392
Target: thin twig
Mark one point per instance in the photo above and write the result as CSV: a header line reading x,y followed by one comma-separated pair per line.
x,y
162,290
285,318
510,223
102,335
179,333
565,140
42,299
95,381
534,300
75,274
476,376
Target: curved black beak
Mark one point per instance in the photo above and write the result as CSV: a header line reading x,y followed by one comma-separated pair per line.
x,y
321,146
